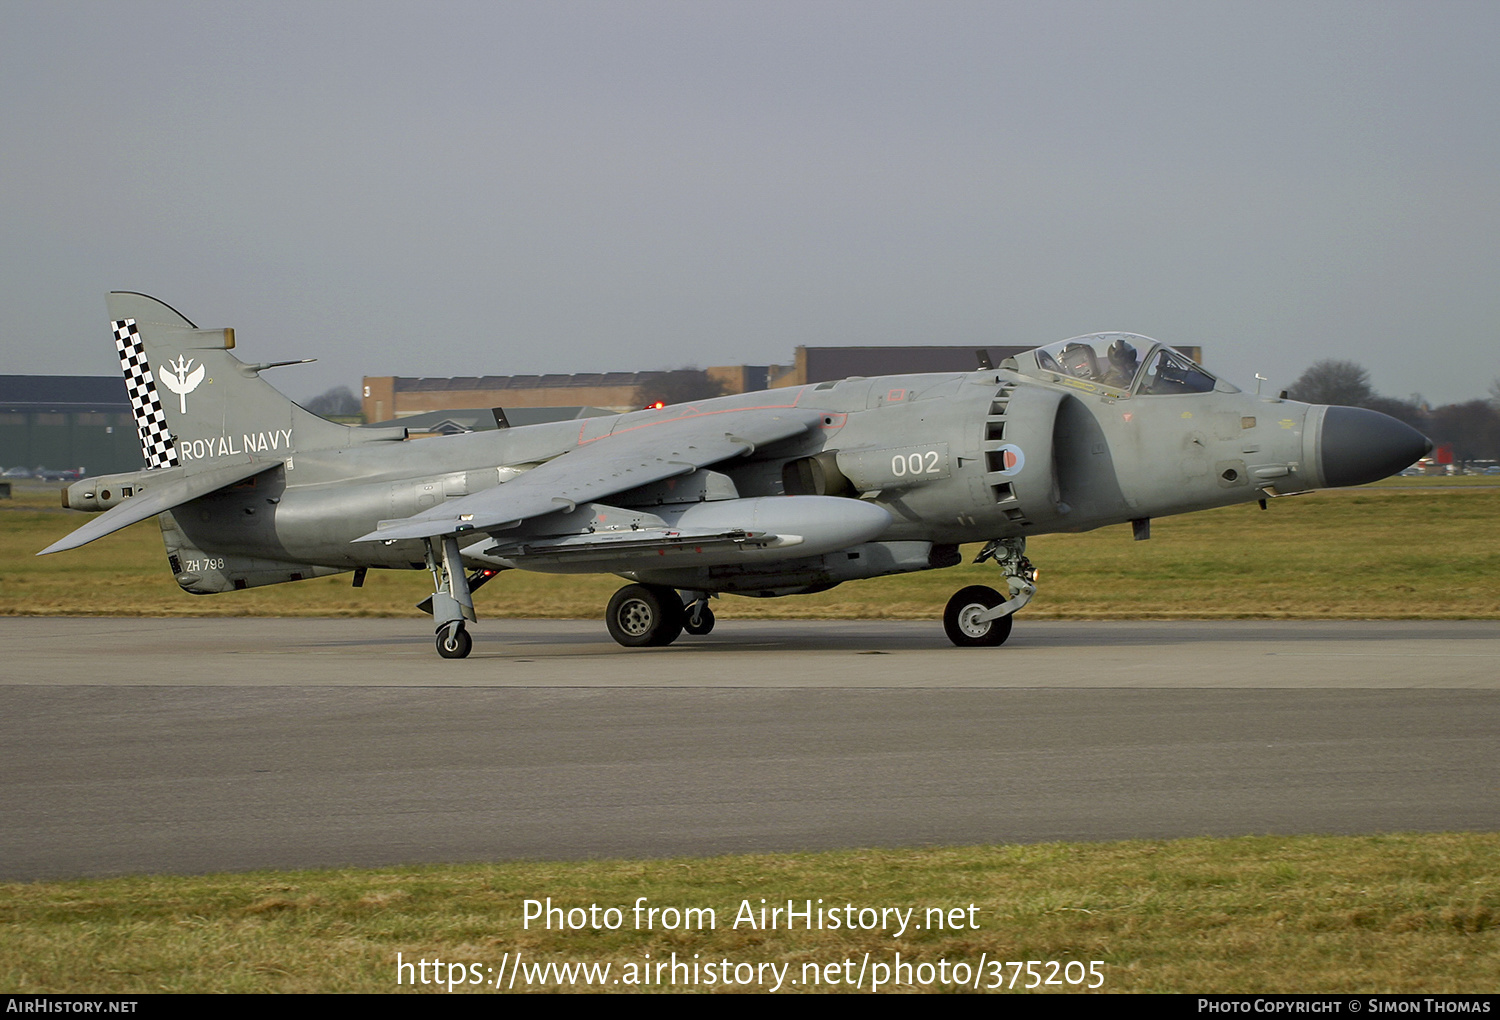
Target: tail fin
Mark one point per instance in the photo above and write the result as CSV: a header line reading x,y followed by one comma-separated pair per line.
x,y
196,404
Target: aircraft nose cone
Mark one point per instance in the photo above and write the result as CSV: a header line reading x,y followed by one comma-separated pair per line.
x,y
1359,446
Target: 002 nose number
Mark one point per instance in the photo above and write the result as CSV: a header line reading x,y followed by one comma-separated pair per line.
x,y
915,464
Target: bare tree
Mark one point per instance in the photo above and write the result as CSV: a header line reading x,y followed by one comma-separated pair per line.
x,y
1409,411
1333,382
1472,428
339,402
678,386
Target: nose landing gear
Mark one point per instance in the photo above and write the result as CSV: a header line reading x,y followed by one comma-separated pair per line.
x,y
965,618
979,616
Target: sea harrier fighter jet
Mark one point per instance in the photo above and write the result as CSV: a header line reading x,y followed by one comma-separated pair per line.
x,y
781,492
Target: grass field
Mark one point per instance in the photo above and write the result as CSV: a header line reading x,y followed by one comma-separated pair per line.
x,y
1403,913
1393,551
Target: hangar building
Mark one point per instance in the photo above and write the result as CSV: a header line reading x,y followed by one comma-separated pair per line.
x,y
389,397
67,421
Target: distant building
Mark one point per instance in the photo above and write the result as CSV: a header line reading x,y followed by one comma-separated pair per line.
x,y
67,421
394,397
455,421
822,364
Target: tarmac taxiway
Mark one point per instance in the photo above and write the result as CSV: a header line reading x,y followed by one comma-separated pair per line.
x,y
198,745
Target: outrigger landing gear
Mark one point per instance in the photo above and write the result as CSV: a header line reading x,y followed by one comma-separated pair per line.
x,y
700,618
454,642
978,616
453,602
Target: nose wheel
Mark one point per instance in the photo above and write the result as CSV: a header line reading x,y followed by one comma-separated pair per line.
x,y
964,618
978,616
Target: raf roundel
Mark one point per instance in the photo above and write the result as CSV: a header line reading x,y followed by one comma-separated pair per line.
x,y
1012,458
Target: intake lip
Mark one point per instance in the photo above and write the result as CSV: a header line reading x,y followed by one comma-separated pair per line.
x,y
1358,445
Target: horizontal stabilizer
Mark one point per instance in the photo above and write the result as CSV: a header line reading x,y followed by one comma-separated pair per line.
x,y
169,487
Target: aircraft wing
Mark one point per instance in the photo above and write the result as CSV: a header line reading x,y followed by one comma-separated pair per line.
x,y
596,469
172,489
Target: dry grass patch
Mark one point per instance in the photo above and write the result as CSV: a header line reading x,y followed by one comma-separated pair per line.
x,y
1387,552
1400,913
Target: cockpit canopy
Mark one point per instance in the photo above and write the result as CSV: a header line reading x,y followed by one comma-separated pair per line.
x,y
1122,363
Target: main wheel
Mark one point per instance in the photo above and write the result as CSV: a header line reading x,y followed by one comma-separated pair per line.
x,y
961,623
703,626
644,614
457,645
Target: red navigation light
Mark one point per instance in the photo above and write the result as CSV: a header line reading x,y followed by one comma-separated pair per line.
x,y
656,406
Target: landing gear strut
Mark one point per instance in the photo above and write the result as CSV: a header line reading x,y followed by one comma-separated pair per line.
x,y
978,616
453,601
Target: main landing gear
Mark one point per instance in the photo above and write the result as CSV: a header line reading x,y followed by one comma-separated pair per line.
x,y
979,616
642,615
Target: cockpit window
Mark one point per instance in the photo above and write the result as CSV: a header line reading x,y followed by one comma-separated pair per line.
x,y
1170,372
1110,360
1125,362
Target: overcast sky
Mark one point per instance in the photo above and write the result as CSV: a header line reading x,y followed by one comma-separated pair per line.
x,y
492,188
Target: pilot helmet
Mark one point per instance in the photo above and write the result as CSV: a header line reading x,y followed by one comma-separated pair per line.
x,y
1122,354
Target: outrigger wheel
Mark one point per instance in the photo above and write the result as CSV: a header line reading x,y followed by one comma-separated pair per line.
x,y
700,620
454,642
644,614
961,618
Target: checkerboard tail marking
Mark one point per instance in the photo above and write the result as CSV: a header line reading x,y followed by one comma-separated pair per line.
x,y
157,444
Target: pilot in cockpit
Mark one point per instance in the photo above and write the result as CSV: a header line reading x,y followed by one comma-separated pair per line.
x,y
1123,362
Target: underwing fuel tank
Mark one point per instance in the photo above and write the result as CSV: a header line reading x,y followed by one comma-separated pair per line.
x,y
814,524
